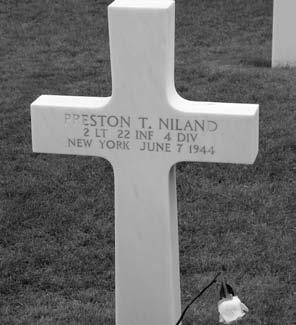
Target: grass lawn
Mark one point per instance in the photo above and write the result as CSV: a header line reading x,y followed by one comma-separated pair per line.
x,y
57,212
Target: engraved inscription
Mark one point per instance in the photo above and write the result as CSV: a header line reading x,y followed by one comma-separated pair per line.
x,y
141,133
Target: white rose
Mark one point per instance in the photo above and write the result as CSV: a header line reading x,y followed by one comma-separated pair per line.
x,y
231,309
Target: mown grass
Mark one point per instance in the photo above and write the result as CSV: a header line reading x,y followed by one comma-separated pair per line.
x,y
56,212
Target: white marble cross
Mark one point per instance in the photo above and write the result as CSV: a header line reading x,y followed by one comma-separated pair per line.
x,y
284,27
144,129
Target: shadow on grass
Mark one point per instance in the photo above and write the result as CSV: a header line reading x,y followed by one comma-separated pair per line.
x,y
256,62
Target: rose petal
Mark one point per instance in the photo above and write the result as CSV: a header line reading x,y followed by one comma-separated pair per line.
x,y
231,309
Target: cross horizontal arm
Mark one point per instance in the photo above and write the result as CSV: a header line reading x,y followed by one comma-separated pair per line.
x,y
215,132
58,123
188,131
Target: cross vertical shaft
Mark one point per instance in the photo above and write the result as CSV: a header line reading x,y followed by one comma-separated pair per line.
x,y
142,53
147,254
146,249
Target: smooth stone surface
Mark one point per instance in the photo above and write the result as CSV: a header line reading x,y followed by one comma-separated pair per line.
x,y
284,27
144,129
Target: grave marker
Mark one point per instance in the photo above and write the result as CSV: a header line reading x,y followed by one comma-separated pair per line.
x,y
284,26
144,129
